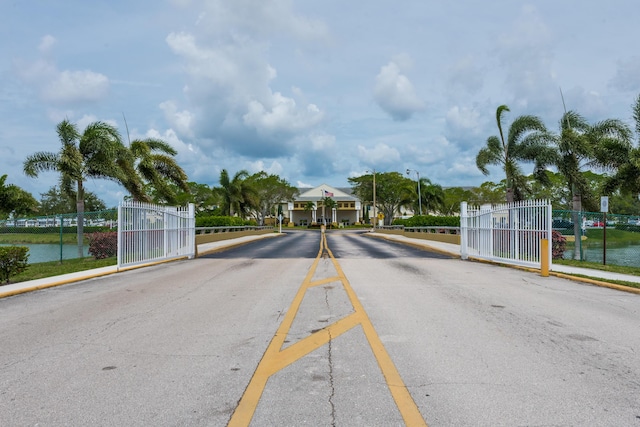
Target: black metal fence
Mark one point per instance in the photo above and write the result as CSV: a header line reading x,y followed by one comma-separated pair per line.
x,y
600,238
63,236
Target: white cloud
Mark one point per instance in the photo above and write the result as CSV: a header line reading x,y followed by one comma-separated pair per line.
x,y
182,120
260,19
281,115
275,168
76,86
395,93
463,119
58,87
627,76
526,53
466,74
47,43
378,156
230,95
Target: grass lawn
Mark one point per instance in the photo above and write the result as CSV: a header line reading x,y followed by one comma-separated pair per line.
x,y
50,238
632,271
55,268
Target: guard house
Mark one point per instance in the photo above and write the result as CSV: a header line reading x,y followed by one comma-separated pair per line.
x,y
307,207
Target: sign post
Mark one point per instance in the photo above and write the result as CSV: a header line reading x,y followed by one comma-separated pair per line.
x,y
604,208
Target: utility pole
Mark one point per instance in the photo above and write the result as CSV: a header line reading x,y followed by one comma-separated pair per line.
x,y
419,195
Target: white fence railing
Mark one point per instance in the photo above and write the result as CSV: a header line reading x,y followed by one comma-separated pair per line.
x,y
148,233
507,233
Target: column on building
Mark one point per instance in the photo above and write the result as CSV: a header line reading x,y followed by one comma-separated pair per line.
x,y
314,214
290,208
358,207
334,215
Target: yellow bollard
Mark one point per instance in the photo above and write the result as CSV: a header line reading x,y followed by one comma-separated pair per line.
x,y
544,257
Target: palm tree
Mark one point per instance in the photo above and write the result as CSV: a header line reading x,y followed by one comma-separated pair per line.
x,y
627,176
432,196
605,145
153,166
327,202
91,154
236,194
309,206
526,141
581,146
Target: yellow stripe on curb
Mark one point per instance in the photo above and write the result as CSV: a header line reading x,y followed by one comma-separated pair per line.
x,y
275,358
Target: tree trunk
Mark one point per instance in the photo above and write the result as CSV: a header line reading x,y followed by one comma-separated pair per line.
x,y
509,195
577,229
80,218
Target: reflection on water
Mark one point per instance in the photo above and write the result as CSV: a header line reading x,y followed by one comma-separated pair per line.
x,y
620,254
51,252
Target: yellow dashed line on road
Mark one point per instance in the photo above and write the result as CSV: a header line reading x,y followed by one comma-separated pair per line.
x,y
275,358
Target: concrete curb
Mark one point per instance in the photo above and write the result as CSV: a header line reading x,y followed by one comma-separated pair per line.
x,y
50,282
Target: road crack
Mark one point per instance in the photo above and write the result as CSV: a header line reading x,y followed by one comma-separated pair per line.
x,y
330,357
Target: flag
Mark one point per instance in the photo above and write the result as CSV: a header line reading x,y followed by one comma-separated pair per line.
x,y
327,193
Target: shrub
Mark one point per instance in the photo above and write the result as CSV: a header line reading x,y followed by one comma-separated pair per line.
x,y
222,221
429,221
13,260
103,245
558,245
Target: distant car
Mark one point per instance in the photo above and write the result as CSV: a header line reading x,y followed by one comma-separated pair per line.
x,y
598,224
561,223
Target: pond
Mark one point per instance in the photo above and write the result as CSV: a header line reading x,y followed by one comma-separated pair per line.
x,y
621,254
42,252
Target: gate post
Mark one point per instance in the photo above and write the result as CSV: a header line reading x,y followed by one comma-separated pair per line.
x,y
464,254
544,257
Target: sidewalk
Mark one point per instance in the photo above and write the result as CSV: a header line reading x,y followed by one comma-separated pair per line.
x,y
454,250
48,282
599,277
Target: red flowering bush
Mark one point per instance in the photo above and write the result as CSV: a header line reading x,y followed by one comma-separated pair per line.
x,y
558,245
103,245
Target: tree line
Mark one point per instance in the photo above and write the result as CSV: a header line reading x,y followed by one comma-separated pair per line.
x,y
565,165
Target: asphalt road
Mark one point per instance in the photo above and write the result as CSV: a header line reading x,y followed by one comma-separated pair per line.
x,y
284,331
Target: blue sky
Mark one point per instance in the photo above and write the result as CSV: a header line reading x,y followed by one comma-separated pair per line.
x,y
315,92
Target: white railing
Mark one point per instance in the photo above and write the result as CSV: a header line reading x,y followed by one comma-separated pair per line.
x,y
507,233
149,233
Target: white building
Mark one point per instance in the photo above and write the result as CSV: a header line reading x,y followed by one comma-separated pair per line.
x,y
307,207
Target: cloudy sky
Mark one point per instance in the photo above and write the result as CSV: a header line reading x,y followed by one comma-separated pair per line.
x,y
315,92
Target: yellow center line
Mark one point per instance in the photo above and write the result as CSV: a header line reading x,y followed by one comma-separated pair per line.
x,y
275,358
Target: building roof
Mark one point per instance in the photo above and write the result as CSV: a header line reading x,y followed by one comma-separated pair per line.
x,y
317,193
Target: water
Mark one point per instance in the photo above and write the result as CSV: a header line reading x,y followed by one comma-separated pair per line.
x,y
51,252
625,255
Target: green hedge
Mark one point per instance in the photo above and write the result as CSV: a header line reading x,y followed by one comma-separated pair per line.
x,y
49,230
222,221
13,260
429,221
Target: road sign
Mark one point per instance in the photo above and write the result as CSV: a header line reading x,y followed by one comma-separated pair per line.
x,y
604,204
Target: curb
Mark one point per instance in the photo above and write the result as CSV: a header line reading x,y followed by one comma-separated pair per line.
x,y
595,282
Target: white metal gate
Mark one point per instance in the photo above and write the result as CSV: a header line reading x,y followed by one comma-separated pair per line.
x,y
148,233
507,233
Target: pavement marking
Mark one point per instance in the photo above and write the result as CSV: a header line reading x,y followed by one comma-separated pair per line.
x,y
276,359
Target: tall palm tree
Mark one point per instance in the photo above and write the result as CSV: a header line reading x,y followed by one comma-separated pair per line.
x,y
581,146
526,142
153,166
328,203
236,193
432,196
308,207
627,176
91,154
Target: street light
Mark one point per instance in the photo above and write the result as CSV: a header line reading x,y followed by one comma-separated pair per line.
x,y
419,195
374,199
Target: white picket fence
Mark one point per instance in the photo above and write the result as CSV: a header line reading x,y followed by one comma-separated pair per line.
x,y
149,233
506,233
